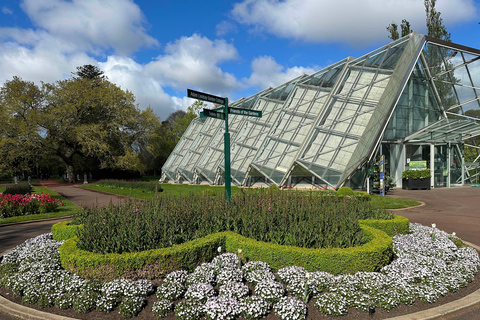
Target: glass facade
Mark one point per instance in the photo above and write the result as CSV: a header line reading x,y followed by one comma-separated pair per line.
x,y
415,97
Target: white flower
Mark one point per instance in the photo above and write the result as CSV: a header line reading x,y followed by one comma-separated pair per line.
x,y
308,275
219,249
434,225
239,251
454,234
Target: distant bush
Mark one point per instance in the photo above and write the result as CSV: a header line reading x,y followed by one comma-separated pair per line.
x,y
19,188
344,191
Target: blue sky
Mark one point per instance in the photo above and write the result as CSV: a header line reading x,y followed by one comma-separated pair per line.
x,y
158,49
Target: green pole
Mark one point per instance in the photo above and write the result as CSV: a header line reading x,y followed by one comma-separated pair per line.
x,y
228,180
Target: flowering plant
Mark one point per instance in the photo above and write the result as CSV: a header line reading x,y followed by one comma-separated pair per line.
x,y
12,205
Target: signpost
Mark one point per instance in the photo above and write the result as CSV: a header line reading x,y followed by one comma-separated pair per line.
x,y
245,112
206,97
222,114
207,113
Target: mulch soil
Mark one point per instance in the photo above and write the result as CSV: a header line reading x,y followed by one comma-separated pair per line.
x,y
313,312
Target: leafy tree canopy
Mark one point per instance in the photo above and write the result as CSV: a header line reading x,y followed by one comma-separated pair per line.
x,y
79,117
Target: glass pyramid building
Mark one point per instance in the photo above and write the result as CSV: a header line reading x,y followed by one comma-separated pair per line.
x,y
410,101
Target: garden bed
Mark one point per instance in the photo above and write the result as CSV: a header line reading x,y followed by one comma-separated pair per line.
x,y
422,248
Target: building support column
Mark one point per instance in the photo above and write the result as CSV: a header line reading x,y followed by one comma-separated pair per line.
x,y
432,165
449,164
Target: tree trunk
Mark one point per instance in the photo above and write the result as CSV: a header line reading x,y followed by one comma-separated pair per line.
x,y
70,173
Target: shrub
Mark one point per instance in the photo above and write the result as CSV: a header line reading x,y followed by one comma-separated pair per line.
x,y
162,307
222,308
344,191
290,308
254,308
130,307
416,174
19,188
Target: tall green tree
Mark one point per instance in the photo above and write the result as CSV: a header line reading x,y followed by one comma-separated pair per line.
x,y
405,29
163,138
21,103
78,120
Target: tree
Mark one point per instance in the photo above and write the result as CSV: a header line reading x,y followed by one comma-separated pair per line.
x,y
91,121
90,72
392,28
21,102
79,120
405,28
163,138
435,26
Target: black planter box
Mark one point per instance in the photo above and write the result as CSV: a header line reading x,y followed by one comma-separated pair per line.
x,y
416,184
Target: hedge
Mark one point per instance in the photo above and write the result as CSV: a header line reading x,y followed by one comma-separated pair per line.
x,y
369,257
148,264
156,263
397,225
64,230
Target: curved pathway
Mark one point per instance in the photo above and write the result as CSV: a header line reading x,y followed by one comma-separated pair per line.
x,y
453,210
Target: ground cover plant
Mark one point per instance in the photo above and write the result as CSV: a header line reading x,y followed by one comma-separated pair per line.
x,y
67,209
307,220
428,265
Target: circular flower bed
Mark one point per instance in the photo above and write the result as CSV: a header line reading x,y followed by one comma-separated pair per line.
x,y
428,265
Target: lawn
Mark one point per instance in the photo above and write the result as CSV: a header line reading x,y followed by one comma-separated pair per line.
x,y
393,203
63,211
171,189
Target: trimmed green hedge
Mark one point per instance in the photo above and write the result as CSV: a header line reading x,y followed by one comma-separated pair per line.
x,y
397,225
369,257
64,230
148,264
156,263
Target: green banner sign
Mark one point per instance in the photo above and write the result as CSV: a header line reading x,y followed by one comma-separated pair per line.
x,y
245,112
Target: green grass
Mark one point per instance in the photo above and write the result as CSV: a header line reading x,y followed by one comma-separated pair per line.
x,y
63,211
171,189
392,203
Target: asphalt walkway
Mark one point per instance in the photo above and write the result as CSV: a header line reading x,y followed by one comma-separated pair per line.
x,y
453,210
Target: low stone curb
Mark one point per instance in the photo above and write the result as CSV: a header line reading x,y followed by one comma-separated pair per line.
x,y
22,312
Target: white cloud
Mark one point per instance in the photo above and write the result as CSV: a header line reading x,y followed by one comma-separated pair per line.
x,y
193,62
37,64
266,72
92,24
148,91
350,21
225,27
6,10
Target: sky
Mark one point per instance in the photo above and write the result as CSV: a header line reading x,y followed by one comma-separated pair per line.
x,y
159,48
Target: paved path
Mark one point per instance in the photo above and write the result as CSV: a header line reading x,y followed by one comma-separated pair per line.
x,y
13,235
453,209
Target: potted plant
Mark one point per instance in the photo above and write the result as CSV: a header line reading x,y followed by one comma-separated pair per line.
x,y
416,179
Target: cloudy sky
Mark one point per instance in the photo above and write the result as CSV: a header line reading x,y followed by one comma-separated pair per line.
x,y
158,49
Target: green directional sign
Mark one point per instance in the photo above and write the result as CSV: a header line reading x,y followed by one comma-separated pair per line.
x,y
218,113
245,112
213,114
206,97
